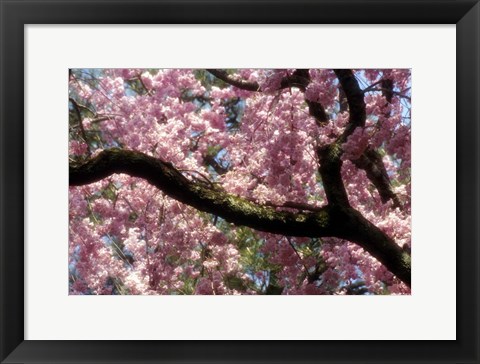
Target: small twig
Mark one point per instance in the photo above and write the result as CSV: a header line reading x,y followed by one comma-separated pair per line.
x,y
393,92
81,106
371,87
204,177
149,92
129,205
298,255
76,106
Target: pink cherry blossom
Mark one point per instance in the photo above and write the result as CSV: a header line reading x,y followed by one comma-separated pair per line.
x,y
257,143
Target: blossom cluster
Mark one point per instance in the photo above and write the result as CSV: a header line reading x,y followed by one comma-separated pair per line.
x,y
128,237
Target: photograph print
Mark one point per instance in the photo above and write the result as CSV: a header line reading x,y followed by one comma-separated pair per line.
x,y
239,181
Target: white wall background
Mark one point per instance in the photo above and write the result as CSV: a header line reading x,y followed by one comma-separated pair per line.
x,y
429,313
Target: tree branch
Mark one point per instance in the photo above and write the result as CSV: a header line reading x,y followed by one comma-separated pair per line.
x,y
330,170
333,220
370,161
211,199
76,107
300,78
316,109
234,81
356,103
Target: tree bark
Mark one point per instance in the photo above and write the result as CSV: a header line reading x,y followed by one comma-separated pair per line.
x,y
334,220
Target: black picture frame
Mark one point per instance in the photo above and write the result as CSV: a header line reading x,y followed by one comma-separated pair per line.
x,y
15,14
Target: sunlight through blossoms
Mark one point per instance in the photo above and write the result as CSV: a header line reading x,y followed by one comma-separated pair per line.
x,y
239,182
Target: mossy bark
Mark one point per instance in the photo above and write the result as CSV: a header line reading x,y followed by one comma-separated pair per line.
x,y
335,220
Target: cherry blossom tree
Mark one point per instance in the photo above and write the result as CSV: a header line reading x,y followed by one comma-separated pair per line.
x,y
284,181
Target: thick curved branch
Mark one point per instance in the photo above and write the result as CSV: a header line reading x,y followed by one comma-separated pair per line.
x,y
202,196
361,231
370,161
333,221
355,227
329,156
356,103
330,170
